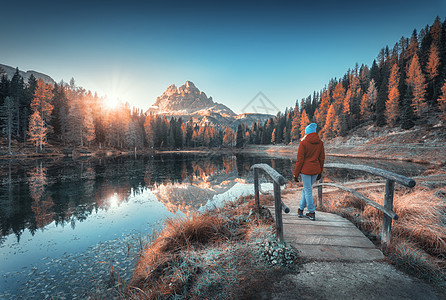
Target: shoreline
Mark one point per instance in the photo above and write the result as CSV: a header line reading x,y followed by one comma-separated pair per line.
x,y
406,153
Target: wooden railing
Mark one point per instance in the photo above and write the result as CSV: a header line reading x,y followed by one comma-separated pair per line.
x,y
278,180
387,209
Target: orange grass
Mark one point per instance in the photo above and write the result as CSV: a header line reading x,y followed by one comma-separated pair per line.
x,y
419,235
209,255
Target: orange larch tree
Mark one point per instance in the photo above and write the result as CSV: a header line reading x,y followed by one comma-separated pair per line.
x,y
368,100
392,104
295,125
37,130
329,130
415,79
303,122
338,97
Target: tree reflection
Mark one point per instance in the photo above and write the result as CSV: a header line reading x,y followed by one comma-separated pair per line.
x,y
66,192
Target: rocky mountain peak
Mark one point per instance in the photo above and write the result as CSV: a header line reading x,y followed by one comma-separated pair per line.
x,y
185,99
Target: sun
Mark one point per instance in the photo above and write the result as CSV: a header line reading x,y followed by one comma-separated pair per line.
x,y
111,102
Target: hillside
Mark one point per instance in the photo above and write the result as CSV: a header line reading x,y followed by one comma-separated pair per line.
x,y
10,73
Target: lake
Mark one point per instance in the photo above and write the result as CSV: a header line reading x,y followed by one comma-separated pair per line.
x,y
73,228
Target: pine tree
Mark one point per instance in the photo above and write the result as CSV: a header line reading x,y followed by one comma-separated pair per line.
x,y
415,80
407,115
392,103
239,136
7,118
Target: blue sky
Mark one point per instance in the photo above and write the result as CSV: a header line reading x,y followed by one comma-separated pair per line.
x,y
231,50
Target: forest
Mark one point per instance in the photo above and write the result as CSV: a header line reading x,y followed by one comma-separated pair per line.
x,y
405,86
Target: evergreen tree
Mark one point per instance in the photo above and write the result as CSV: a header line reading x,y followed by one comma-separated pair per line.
x,y
407,115
7,118
17,92
239,137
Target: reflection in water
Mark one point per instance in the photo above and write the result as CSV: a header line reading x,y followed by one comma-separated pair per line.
x,y
67,192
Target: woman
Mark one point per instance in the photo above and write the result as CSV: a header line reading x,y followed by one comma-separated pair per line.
x,y
310,163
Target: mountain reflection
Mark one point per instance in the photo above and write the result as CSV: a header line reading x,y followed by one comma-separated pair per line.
x,y
66,192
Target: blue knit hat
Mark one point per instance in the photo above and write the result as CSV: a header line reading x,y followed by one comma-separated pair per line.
x,y
310,128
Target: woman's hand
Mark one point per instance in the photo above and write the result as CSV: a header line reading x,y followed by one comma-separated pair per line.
x,y
296,178
319,176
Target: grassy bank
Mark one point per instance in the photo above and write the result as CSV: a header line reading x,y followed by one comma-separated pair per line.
x,y
418,243
228,252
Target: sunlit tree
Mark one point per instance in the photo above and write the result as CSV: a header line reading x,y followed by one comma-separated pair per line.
x,y
295,125
432,70
304,121
37,131
338,97
415,79
392,103
368,100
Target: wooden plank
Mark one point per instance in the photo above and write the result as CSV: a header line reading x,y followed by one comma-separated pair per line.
x,y
338,253
334,240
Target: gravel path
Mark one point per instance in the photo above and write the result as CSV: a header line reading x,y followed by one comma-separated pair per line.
x,y
339,280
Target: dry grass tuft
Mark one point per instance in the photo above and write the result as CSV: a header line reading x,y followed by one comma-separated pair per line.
x,y
205,256
418,237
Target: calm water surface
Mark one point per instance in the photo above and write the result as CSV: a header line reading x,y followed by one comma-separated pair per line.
x,y
66,224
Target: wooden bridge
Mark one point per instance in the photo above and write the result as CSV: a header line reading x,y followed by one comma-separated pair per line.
x,y
330,237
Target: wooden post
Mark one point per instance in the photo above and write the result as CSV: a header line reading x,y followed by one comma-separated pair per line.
x,y
319,195
256,189
278,209
387,221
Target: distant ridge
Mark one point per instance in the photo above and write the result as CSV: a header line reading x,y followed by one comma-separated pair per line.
x,y
10,71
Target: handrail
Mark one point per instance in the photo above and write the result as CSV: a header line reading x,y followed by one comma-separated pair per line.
x,y
403,180
387,209
372,203
278,180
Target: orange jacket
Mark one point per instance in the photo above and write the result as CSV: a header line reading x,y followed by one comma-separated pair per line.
x,y
310,156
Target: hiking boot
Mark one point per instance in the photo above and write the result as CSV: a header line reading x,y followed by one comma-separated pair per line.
x,y
311,216
300,213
